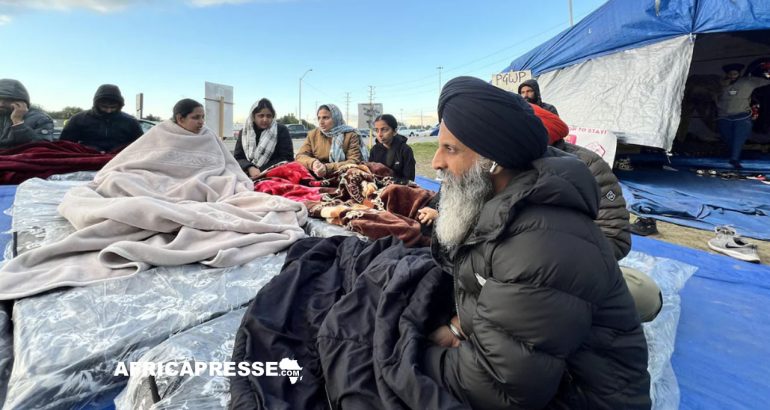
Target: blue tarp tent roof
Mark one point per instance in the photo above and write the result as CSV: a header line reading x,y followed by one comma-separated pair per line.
x,y
625,24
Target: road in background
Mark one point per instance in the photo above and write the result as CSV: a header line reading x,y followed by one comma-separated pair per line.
x,y
230,142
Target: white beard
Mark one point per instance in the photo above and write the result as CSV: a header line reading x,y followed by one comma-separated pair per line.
x,y
462,199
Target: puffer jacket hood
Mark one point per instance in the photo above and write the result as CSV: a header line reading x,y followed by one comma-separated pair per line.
x,y
535,86
109,92
13,90
556,179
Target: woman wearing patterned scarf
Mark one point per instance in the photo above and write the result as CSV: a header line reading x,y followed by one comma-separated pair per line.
x,y
331,145
263,142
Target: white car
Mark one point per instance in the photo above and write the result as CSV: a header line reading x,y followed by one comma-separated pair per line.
x,y
408,132
424,133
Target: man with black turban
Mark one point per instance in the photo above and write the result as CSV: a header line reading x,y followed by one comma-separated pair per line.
x,y
543,316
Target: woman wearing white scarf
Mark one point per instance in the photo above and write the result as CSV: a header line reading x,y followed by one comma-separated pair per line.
x,y
262,142
332,144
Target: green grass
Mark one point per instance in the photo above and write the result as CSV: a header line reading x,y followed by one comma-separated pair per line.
x,y
423,154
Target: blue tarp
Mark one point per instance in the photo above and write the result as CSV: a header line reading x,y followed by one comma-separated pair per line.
x,y
722,350
703,202
750,161
625,24
428,183
7,193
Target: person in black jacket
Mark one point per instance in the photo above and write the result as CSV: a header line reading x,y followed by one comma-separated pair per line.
x,y
530,90
104,127
392,150
262,142
19,122
543,316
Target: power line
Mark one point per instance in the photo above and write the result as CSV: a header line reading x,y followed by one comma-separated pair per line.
x,y
428,88
318,89
518,43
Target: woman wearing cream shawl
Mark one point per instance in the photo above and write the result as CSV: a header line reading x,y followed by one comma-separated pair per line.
x,y
331,145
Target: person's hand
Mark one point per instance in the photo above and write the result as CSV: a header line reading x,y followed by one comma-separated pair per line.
x,y
426,215
19,110
444,337
319,168
254,172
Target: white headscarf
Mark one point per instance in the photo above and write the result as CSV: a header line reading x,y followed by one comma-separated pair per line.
x,y
258,154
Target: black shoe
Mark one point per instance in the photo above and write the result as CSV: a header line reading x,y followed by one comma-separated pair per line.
x,y
735,163
644,227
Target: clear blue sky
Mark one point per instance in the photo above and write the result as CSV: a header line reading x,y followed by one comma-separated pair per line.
x,y
62,50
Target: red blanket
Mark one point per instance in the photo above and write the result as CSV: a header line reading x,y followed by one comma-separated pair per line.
x,y
362,198
291,180
43,159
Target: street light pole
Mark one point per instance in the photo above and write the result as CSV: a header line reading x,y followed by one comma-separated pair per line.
x,y
300,95
570,12
439,68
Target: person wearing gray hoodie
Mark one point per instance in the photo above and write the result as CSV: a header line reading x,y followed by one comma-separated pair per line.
x,y
19,122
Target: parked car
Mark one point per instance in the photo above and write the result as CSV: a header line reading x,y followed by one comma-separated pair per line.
x,y
146,125
408,132
56,133
364,132
424,133
297,130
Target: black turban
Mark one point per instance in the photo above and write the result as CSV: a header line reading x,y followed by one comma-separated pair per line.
x,y
494,123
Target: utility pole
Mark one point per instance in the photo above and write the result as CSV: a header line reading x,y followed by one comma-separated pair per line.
x,y
371,94
347,108
439,68
402,117
570,12
421,124
299,112
371,108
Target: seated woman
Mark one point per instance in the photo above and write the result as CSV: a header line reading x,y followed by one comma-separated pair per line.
x,y
392,150
189,115
263,142
331,145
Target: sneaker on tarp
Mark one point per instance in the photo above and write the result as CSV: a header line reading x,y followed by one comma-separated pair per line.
x,y
623,164
644,226
728,242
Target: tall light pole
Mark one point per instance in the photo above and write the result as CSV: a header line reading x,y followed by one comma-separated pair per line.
x,y
439,68
300,95
570,12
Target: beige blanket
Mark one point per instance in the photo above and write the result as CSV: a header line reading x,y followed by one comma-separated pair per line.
x,y
170,198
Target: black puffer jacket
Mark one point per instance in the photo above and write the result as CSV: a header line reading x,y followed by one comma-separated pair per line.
x,y
613,215
399,158
104,132
538,99
37,127
550,321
